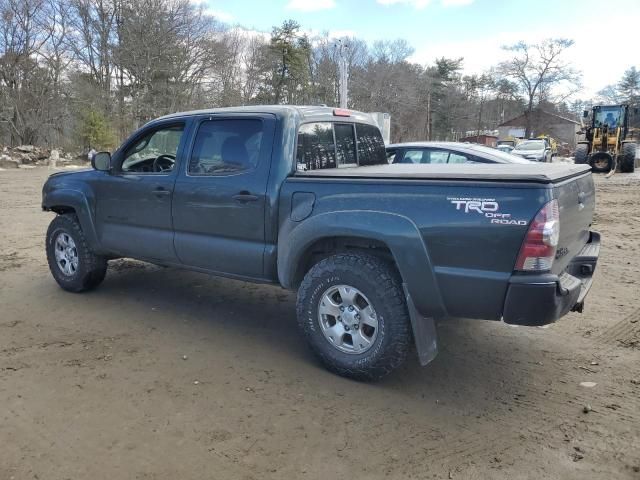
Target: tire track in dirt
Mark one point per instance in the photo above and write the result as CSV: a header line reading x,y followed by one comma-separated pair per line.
x,y
529,409
625,333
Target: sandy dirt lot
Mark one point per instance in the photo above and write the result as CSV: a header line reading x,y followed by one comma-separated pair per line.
x,y
163,374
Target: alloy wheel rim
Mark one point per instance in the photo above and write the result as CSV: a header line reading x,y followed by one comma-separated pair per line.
x,y
347,319
66,254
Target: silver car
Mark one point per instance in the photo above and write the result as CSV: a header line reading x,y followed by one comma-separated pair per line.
x,y
536,150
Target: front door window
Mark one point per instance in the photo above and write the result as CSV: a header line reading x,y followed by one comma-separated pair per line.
x,y
155,152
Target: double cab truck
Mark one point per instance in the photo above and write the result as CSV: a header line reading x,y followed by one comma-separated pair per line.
x,y
304,197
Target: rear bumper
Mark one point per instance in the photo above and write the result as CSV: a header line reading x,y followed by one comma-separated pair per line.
x,y
542,299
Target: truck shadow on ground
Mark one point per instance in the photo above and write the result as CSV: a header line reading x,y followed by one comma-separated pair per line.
x,y
478,361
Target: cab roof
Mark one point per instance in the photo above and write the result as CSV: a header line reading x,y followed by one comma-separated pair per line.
x,y
304,113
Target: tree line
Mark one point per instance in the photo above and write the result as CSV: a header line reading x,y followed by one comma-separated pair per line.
x,y
85,73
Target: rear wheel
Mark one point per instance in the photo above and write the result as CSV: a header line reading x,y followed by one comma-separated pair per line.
x,y
628,157
582,153
71,262
352,312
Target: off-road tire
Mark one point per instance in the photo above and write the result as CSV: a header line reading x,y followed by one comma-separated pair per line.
x,y
381,283
628,157
91,269
606,169
582,153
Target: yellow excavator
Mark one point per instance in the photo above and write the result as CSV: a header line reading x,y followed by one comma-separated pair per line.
x,y
610,139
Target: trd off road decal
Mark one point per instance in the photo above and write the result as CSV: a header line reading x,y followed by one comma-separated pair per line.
x,y
487,207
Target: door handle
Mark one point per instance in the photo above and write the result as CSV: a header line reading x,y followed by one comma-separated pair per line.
x,y
161,191
244,197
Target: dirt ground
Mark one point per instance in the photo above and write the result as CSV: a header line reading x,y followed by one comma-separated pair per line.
x,y
163,374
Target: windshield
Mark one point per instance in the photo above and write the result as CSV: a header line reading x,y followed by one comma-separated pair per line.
x,y
534,145
610,116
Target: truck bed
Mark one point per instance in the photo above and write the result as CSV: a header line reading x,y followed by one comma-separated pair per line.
x,y
535,172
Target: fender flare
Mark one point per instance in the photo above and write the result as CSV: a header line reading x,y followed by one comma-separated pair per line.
x,y
399,233
76,199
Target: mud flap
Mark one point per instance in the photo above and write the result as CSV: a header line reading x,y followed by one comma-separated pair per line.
x,y
424,332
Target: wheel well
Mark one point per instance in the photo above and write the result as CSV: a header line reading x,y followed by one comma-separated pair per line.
x,y
326,247
61,209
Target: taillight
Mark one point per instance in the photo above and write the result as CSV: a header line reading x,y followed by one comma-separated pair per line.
x,y
539,247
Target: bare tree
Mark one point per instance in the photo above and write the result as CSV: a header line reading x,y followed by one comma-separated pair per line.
x,y
537,69
165,51
73,70
253,65
25,86
93,27
479,88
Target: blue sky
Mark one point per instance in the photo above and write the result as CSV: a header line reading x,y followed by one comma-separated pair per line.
x,y
474,29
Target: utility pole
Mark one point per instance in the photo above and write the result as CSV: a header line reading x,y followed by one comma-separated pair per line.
x,y
429,116
343,77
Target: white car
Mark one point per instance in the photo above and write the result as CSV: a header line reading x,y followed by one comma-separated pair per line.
x,y
447,152
536,150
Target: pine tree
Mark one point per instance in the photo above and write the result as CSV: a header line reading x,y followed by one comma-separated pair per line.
x,y
629,86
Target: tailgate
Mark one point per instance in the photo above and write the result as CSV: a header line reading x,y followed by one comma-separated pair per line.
x,y
576,201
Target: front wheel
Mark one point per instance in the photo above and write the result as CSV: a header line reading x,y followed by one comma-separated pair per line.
x,y
71,262
352,312
601,162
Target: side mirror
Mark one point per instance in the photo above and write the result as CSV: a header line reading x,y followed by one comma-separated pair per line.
x,y
585,113
101,161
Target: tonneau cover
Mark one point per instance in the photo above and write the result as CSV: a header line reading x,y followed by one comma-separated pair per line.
x,y
534,172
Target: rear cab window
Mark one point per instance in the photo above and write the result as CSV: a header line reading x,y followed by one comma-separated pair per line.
x,y
371,149
345,144
316,146
324,145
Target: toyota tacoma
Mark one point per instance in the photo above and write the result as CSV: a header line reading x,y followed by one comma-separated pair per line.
x,y
304,197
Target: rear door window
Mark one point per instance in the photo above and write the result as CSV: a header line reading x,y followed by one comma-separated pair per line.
x,y
228,146
412,156
458,158
436,156
430,156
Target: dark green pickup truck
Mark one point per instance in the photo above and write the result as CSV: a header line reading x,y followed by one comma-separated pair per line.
x,y
303,197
